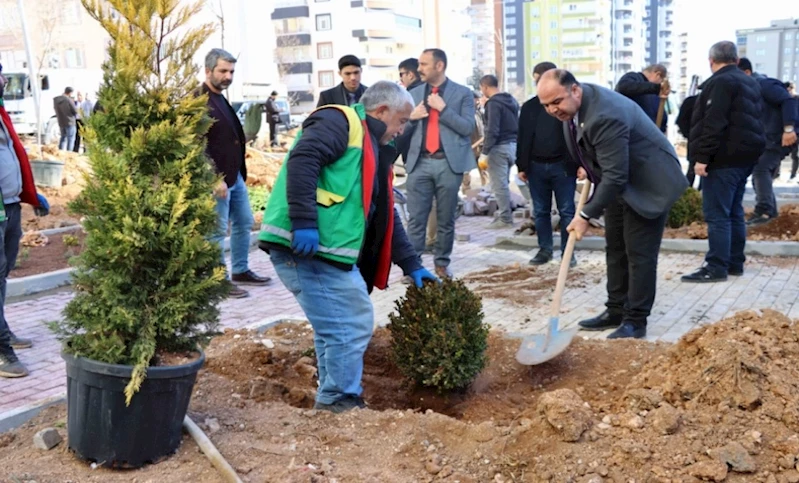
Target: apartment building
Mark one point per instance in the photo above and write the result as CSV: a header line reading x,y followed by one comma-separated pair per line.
x,y
574,34
311,35
683,76
629,32
659,33
487,37
773,50
516,71
446,25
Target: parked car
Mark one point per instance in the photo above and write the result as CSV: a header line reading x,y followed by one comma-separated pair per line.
x,y
285,116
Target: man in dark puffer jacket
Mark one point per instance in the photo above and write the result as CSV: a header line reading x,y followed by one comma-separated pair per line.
x,y
725,142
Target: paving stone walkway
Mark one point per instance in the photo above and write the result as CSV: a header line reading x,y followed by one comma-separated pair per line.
x,y
767,283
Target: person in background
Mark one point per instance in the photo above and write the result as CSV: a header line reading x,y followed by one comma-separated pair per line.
x,y
86,108
16,186
66,114
330,254
409,73
795,148
79,122
226,148
779,121
544,162
684,125
646,89
273,118
726,140
350,90
477,146
499,146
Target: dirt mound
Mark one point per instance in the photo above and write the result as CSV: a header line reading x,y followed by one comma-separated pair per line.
x,y
263,167
519,283
784,227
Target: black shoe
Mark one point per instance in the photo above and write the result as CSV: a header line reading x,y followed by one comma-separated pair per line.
x,y
603,321
541,258
250,278
759,219
573,262
703,275
735,272
629,330
342,405
10,365
236,292
19,343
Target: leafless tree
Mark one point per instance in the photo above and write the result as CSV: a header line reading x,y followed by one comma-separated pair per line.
x,y
286,58
219,13
48,14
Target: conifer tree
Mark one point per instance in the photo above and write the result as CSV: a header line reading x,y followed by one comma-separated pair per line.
x,y
149,279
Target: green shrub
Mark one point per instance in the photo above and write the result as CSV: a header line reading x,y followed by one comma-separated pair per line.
x,y
438,335
258,195
686,210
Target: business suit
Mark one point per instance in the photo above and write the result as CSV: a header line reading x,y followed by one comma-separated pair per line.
x,y
439,175
638,178
338,95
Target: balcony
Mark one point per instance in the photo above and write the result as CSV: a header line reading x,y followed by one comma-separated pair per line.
x,y
297,11
373,34
293,40
290,3
381,4
381,62
296,68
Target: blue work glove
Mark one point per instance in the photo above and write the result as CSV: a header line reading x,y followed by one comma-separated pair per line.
x,y
305,242
44,207
420,275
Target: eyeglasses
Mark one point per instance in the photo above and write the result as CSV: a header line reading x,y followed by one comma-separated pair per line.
x,y
403,74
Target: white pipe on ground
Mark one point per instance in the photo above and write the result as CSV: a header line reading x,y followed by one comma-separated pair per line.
x,y
213,454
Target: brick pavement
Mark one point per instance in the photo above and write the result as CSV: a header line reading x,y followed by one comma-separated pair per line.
x,y
768,283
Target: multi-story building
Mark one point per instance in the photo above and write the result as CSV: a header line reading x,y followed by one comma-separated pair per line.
x,y
515,67
659,33
684,77
773,50
628,31
312,36
574,34
446,25
487,37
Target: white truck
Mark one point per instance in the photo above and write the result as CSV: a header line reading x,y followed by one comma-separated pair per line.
x,y
18,97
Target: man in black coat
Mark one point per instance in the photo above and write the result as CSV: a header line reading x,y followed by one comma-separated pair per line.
x,y
646,89
350,90
779,122
273,118
544,162
226,148
725,142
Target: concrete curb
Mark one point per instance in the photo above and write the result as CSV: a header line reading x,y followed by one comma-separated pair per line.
x,y
17,417
18,287
763,248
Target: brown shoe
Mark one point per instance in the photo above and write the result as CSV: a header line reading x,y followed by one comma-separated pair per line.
x,y
250,278
237,293
443,272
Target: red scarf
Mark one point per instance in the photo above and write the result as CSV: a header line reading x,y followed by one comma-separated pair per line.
x,y
368,174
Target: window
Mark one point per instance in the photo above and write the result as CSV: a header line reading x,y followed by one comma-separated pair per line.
x,y
73,58
760,38
510,32
554,54
536,40
553,9
788,35
324,50
553,24
535,55
787,50
572,7
535,26
628,29
510,9
760,52
535,11
511,43
389,49
323,22
512,64
553,39
71,12
325,78
510,21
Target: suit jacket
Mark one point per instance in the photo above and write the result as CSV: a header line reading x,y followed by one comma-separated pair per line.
x,y
626,153
226,144
456,124
338,95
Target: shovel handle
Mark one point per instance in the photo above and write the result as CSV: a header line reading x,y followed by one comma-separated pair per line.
x,y
567,256
661,109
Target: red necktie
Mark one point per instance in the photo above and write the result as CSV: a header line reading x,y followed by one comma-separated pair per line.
x,y
432,141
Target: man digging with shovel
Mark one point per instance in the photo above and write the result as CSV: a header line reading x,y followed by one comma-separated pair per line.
x,y
332,231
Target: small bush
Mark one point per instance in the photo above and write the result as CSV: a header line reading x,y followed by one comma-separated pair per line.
x,y
439,338
686,210
259,196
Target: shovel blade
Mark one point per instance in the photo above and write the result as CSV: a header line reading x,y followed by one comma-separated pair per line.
x,y
533,352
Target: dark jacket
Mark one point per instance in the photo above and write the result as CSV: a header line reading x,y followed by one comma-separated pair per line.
x,y
684,117
226,141
65,111
325,135
502,121
646,94
779,110
338,95
726,127
540,139
272,112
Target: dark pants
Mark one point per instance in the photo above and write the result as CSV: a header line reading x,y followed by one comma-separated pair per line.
x,y
11,232
79,126
722,204
763,182
794,160
273,134
544,180
633,244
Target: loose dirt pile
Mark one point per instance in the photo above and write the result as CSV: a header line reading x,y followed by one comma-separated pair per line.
x,y
720,405
520,284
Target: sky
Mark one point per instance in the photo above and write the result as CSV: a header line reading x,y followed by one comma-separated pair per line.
x,y
709,21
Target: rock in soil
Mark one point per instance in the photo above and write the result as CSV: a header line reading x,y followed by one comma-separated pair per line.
x,y
46,439
566,412
666,419
736,457
708,470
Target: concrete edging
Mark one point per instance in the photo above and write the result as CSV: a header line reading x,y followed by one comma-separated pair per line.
x,y
15,418
18,287
763,248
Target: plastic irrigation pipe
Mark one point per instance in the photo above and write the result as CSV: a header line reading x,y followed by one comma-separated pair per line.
x,y
213,454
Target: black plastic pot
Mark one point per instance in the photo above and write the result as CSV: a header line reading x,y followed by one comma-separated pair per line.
x,y
102,429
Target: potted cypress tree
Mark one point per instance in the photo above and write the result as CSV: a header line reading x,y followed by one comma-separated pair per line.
x,y
148,282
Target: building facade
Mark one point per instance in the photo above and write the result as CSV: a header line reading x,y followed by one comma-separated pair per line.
x,y
660,45
517,73
773,50
486,35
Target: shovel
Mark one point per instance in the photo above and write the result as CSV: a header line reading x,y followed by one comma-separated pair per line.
x,y
539,348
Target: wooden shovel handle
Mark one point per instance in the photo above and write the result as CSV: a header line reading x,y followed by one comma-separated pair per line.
x,y
661,109
567,256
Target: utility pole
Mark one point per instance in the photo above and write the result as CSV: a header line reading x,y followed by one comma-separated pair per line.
x,y
34,76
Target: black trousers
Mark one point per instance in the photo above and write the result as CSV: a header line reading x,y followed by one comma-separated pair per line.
x,y
273,134
633,245
78,128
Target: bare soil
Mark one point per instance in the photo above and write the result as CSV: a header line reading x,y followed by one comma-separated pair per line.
x,y
55,254
720,405
519,283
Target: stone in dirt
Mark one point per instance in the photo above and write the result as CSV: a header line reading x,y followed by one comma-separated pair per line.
x,y
565,411
46,439
666,419
213,425
735,455
709,470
